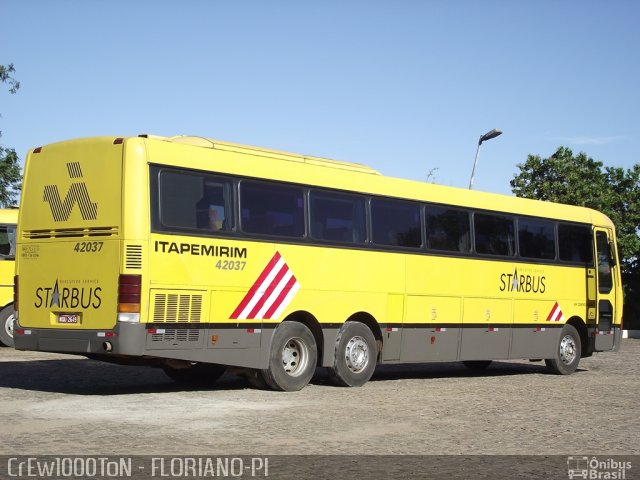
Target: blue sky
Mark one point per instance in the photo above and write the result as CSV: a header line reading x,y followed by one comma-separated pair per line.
x,y
403,86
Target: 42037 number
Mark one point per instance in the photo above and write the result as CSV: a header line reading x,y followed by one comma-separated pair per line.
x,y
88,247
230,265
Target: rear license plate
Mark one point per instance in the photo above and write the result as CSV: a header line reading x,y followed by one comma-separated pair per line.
x,y
69,318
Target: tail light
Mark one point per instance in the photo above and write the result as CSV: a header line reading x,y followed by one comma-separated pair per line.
x,y
129,288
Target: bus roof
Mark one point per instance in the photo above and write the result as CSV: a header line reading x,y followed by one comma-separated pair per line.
x,y
360,178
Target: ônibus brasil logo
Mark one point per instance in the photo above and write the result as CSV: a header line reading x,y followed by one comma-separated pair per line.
x,y
78,193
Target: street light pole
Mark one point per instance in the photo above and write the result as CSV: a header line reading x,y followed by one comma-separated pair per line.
x,y
487,136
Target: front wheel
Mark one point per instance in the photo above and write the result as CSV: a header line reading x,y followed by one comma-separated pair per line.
x,y
7,316
292,359
568,352
355,356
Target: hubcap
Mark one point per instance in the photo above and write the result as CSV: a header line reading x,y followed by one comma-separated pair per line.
x,y
8,325
295,356
357,354
567,350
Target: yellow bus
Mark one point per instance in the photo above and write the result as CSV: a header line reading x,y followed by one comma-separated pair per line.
x,y
8,220
196,255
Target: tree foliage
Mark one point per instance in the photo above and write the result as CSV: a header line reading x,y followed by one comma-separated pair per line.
x,y
10,178
581,180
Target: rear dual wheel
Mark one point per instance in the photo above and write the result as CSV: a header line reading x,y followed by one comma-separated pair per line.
x,y
355,356
292,359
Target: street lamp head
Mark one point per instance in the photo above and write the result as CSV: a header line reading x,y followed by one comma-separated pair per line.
x,y
489,135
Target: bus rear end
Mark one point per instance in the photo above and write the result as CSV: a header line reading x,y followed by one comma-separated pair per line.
x,y
69,284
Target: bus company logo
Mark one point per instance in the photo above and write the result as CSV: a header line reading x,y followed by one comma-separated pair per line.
x,y
271,293
74,297
514,282
78,193
595,468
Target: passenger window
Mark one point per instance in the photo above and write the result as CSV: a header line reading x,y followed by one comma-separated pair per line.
x,y
194,201
272,209
7,242
337,217
536,239
447,229
395,223
494,235
575,244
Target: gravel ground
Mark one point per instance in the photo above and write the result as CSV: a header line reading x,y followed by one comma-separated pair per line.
x,y
66,405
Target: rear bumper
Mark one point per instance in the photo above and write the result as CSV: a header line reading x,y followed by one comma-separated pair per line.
x,y
124,339
234,345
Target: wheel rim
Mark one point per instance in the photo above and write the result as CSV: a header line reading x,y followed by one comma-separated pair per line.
x,y
295,356
8,325
357,354
568,349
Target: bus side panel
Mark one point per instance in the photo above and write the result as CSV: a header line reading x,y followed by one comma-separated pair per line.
x,y
533,336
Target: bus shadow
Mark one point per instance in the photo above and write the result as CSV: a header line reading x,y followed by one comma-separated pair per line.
x,y
439,370
90,377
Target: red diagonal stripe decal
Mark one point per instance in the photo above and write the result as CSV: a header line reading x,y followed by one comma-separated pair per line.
x,y
254,288
272,286
281,297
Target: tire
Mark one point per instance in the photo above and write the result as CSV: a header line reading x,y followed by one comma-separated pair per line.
x,y
568,352
7,315
476,365
293,358
201,374
355,356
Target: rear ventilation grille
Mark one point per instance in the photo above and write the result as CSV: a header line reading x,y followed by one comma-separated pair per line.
x,y
177,335
133,256
177,308
71,233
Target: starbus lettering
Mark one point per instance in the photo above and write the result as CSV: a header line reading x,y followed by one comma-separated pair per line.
x,y
200,249
514,282
75,297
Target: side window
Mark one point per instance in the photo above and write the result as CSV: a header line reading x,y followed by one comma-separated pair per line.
x,y
494,235
536,239
271,209
7,242
395,223
447,229
575,245
194,201
337,217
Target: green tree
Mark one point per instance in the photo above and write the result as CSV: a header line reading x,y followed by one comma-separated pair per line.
x,y
581,180
10,177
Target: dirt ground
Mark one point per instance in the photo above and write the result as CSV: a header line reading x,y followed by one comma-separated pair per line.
x,y
66,405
